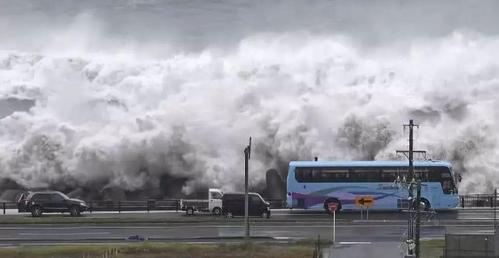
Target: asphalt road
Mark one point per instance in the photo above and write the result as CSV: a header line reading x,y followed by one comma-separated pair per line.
x,y
371,232
457,214
284,225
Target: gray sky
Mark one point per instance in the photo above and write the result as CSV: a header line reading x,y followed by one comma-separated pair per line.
x,y
194,25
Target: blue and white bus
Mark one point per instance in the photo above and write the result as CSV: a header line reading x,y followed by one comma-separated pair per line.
x,y
314,184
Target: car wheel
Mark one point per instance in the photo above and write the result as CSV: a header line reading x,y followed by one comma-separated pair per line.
x,y
74,211
228,215
266,215
217,211
36,211
189,211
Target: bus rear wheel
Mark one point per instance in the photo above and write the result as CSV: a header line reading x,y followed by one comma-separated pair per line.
x,y
332,200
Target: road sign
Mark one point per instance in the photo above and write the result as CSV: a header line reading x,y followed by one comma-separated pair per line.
x,y
332,206
364,201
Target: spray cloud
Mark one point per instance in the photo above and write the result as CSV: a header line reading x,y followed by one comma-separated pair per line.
x,y
107,113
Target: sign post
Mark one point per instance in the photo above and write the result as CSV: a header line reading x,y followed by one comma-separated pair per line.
x,y
333,206
364,202
247,153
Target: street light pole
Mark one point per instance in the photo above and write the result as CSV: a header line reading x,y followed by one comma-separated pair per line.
x,y
247,154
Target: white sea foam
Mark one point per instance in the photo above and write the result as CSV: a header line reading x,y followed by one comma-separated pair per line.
x,y
127,122
119,113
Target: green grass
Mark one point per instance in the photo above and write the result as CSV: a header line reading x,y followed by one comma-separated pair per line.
x,y
160,250
432,248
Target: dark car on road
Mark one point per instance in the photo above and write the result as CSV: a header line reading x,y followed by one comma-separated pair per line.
x,y
233,205
49,201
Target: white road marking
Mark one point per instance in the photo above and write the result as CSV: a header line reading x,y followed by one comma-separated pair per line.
x,y
64,234
240,226
355,243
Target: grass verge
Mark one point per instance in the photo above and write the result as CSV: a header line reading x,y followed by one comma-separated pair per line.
x,y
164,250
432,248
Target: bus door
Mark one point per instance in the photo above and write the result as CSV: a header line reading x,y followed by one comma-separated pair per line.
x,y
429,190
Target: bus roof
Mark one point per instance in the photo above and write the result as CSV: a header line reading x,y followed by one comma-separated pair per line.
x,y
369,163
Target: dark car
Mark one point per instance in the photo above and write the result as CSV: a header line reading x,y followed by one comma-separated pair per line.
x,y
49,201
233,205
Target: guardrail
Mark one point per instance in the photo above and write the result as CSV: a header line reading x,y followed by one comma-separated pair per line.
x,y
478,200
7,205
146,205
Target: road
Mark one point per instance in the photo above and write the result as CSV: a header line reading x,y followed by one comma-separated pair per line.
x,y
380,236
284,225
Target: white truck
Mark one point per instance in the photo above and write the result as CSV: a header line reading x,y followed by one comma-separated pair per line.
x,y
212,205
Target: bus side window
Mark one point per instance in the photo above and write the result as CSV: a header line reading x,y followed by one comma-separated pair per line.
x,y
303,175
404,174
335,175
388,175
366,175
422,174
308,176
316,175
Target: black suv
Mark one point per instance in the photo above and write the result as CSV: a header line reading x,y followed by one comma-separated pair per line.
x,y
49,201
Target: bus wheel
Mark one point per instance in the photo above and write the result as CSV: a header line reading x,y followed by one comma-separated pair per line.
x,y
425,204
332,200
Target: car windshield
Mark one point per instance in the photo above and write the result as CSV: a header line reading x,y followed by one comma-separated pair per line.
x,y
259,196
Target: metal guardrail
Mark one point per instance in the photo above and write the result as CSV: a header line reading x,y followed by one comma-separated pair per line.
x,y
7,205
146,205
477,200
466,201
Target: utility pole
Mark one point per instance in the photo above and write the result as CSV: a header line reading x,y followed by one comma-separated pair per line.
x,y
495,210
413,233
411,126
247,154
418,216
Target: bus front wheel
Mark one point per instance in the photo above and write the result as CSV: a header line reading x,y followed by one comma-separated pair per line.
x,y
425,204
332,200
